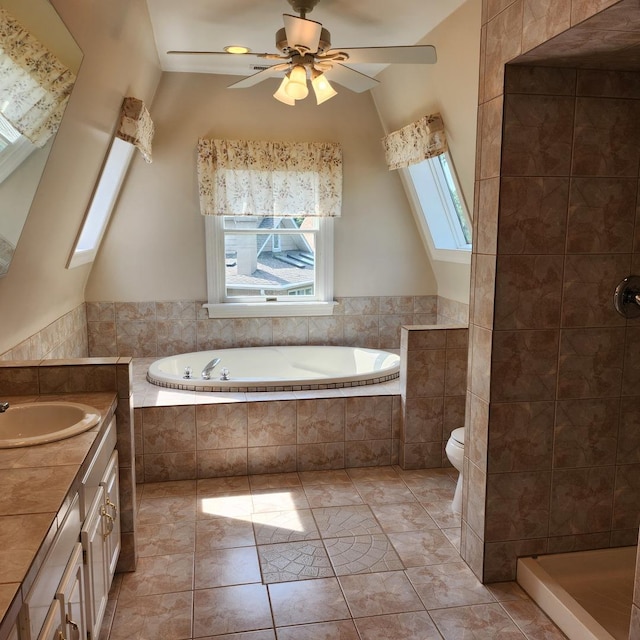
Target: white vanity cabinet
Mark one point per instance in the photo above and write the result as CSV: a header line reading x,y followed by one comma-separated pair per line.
x,y
69,594
100,535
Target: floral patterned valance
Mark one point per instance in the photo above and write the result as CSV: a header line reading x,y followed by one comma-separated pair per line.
x,y
422,139
136,126
286,179
34,85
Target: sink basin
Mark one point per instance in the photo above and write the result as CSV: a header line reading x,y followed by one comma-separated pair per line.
x,y
23,425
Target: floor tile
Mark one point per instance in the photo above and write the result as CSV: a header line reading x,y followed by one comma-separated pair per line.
x,y
167,509
222,486
480,622
290,561
284,499
422,548
291,602
223,533
336,522
338,476
284,526
264,634
532,621
233,505
408,516
441,512
274,481
150,617
166,489
362,554
226,567
332,495
384,492
372,594
399,626
158,574
372,474
453,535
448,585
505,591
230,610
170,538
339,630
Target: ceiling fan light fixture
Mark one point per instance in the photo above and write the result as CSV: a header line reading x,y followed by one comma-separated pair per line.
x,y
296,87
282,95
237,49
322,87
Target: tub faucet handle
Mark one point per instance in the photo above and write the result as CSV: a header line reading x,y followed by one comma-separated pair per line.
x,y
224,374
3,406
187,373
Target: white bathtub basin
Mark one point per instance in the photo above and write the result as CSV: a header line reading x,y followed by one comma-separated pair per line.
x,y
279,368
23,425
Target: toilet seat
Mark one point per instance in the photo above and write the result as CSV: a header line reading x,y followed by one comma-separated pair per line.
x,y
457,435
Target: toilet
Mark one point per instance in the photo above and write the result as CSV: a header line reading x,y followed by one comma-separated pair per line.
x,y
455,453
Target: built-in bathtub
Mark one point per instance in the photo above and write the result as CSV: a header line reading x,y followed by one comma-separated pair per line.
x,y
278,368
588,594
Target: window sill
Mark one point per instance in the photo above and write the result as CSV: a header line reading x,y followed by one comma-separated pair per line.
x,y
269,309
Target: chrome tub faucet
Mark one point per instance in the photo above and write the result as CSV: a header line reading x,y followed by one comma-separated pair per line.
x,y
3,406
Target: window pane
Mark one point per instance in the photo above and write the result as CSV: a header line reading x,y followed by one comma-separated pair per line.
x,y
455,197
274,261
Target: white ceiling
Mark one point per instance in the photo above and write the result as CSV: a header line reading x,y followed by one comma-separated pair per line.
x,y
210,25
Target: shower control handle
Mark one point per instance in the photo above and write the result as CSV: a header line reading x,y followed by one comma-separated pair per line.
x,y
626,298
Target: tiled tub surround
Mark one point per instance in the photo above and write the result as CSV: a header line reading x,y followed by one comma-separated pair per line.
x,y
35,484
89,375
64,338
553,391
157,329
433,382
190,434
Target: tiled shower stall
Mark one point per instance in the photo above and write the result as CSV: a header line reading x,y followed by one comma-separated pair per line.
x,y
553,462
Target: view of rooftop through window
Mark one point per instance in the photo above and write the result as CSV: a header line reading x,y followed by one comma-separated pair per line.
x,y
269,256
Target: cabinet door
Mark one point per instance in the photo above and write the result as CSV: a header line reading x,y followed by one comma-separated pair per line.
x,y
96,568
112,513
52,627
71,595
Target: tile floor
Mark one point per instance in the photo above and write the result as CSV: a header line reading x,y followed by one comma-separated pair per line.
x,y
357,554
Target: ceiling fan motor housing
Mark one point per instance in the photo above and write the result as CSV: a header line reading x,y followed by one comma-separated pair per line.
x,y
303,6
283,46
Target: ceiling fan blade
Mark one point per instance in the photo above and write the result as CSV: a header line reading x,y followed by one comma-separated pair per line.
x,y
217,53
350,78
418,54
302,33
254,79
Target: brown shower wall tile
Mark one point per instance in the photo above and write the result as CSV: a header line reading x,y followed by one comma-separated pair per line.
x,y
608,84
590,363
540,80
533,215
626,500
491,131
537,135
543,19
515,306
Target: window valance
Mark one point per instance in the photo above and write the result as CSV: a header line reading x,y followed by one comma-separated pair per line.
x,y
259,178
136,126
422,139
34,85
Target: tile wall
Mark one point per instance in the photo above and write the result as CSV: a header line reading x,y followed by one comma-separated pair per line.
x,y
554,461
157,329
64,338
433,382
270,436
85,376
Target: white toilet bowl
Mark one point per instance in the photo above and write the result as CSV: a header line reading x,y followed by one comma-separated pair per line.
x,y
455,453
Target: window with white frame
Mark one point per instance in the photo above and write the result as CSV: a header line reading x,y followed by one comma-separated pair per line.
x,y
269,211
14,149
440,202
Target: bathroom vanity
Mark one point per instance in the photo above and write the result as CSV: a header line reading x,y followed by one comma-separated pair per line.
x,y
60,532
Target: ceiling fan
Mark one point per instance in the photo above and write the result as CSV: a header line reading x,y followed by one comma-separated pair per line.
x,y
305,50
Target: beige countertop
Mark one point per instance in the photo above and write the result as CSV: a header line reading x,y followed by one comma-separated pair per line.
x,y
35,486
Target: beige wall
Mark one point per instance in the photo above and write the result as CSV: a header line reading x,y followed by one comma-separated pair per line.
x,y
119,59
154,248
450,87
